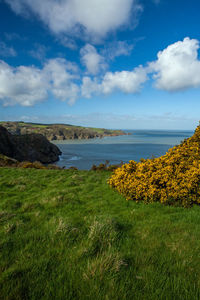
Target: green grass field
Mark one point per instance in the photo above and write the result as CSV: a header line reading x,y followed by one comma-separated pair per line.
x,y
66,235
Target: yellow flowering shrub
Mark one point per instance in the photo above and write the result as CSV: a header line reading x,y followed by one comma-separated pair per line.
x,y
173,178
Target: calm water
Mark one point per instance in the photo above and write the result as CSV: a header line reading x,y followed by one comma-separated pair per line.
x,y
140,144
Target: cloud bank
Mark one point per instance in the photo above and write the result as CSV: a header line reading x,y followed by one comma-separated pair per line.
x,y
177,68
91,17
27,86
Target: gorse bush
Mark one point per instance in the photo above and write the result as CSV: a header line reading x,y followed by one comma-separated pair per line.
x,y
173,178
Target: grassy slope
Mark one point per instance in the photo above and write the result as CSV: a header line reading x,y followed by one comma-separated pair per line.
x,y
67,235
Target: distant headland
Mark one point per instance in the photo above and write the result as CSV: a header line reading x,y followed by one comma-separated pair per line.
x,y
59,131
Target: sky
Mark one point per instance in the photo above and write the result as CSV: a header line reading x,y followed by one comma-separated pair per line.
x,y
128,64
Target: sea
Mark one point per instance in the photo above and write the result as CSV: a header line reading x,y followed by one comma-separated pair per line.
x,y
137,144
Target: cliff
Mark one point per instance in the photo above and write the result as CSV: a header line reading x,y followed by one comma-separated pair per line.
x,y
59,131
28,147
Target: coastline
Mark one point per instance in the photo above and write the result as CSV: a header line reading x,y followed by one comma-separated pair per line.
x,y
84,153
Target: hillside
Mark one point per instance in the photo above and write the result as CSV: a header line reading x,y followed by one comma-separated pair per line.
x,y
66,235
59,131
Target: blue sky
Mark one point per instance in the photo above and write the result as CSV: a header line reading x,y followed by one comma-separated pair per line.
x,y
116,64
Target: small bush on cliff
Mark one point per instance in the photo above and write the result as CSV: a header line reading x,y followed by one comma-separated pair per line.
x,y
172,179
37,165
6,161
106,166
13,163
34,165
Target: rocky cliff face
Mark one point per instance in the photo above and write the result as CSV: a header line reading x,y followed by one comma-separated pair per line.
x,y
29,147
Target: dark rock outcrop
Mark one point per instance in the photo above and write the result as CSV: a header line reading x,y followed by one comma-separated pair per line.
x,y
28,147
7,145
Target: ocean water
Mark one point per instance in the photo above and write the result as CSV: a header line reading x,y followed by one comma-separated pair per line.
x,y
139,144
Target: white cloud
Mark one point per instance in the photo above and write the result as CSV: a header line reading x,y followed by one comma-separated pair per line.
x,y
7,51
177,67
28,85
21,85
116,49
59,73
125,81
90,87
67,42
93,17
39,52
93,61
